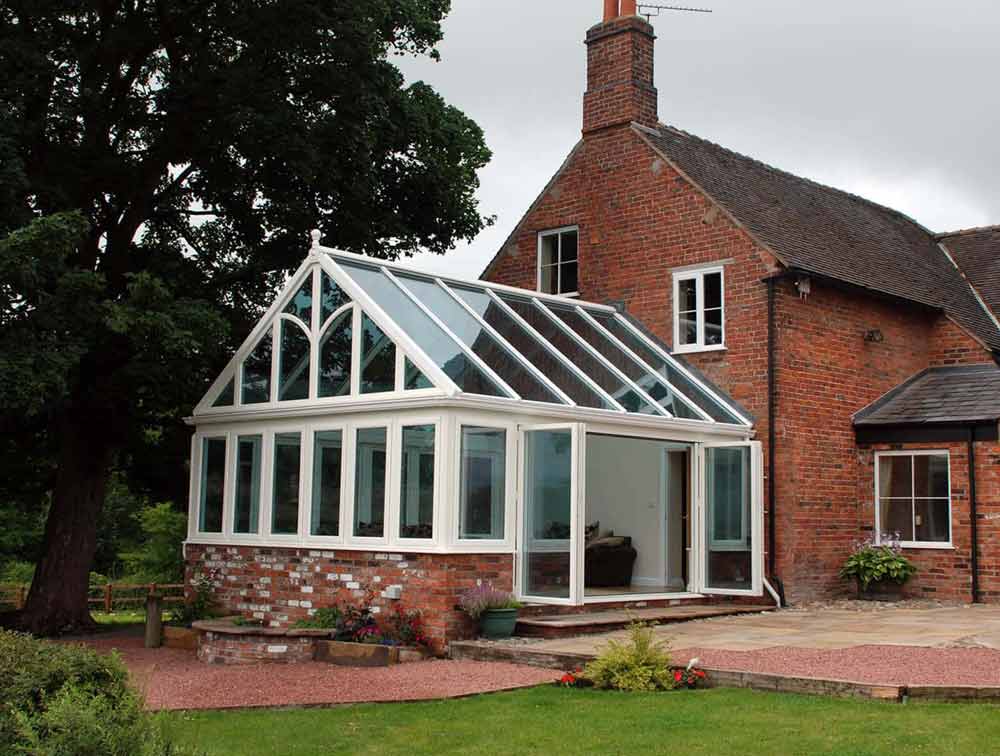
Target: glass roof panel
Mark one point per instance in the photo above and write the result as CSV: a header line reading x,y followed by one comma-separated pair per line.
x,y
651,383
301,304
541,355
435,343
676,378
470,332
626,396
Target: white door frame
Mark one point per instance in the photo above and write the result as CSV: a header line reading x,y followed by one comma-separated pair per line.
x,y
699,554
577,497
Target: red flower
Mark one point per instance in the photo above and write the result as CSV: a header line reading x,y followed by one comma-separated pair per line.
x,y
678,675
699,673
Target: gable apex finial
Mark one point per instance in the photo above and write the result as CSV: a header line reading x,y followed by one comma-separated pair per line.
x,y
316,235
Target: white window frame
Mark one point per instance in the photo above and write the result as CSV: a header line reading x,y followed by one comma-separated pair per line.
x,y
698,276
506,473
389,520
913,498
396,498
557,265
346,448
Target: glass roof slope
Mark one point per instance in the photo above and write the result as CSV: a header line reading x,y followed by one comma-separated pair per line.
x,y
500,341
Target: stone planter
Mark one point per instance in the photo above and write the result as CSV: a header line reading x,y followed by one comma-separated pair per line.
x,y
184,638
884,590
346,654
498,623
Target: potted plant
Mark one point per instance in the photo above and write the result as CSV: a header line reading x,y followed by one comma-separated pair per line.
x,y
879,568
494,610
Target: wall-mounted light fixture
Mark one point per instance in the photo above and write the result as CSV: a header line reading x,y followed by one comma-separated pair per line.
x,y
874,336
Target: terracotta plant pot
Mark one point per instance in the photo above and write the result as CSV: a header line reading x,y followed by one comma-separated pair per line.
x,y
884,590
498,623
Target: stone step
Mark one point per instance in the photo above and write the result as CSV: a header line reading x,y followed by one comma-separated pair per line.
x,y
585,623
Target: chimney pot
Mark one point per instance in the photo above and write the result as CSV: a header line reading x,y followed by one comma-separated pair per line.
x,y
610,10
629,8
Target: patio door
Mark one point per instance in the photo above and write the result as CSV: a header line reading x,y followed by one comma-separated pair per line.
x,y
549,545
730,521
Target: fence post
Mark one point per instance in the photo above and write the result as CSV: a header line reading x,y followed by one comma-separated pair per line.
x,y
107,598
21,597
154,621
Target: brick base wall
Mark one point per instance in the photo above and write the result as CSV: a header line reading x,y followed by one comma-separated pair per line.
x,y
283,585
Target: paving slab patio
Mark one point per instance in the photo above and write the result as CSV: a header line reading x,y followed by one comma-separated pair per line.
x,y
835,627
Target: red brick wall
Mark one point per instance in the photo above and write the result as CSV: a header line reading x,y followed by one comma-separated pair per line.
x,y
951,345
946,574
283,585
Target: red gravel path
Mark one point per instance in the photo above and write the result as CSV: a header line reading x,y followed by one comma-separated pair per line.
x,y
881,665
174,679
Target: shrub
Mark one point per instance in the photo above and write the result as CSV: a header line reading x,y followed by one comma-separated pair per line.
x,y
327,618
485,597
873,563
639,664
159,558
17,573
402,627
64,700
200,606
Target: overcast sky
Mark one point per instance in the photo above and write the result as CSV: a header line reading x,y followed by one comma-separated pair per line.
x,y
896,100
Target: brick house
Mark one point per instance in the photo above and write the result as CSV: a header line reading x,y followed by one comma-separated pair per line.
x,y
863,345
388,433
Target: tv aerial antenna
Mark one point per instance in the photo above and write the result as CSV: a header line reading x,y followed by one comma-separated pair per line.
x,y
650,11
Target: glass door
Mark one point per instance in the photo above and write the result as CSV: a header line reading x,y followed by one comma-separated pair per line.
x,y
548,509
731,519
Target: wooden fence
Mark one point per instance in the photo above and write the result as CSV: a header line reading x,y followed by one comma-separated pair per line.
x,y
106,598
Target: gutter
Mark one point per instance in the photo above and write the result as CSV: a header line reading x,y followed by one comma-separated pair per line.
x,y
973,516
772,405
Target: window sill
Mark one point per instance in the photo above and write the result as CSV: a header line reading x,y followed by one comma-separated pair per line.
x,y
930,545
689,349
567,294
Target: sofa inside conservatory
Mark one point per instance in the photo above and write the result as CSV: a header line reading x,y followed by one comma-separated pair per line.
x,y
390,433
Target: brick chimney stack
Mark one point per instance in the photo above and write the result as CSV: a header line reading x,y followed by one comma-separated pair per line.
x,y
619,70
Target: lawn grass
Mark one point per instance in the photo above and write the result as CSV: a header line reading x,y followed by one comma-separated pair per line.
x,y
550,720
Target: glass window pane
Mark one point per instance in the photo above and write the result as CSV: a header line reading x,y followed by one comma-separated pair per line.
x,y
549,250
713,327
257,373
435,343
480,341
930,475
548,496
414,378
589,364
687,329
369,483
727,485
285,502
538,354
332,298
568,283
226,396
932,518
301,304
896,518
378,359
335,357
247,514
483,483
664,396
327,467
416,499
294,363
568,251
213,480
713,290
677,379
687,295
895,476
549,279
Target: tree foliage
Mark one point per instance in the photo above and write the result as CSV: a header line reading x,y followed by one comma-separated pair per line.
x,y
160,166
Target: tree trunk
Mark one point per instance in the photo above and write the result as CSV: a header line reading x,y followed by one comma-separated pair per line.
x,y
57,602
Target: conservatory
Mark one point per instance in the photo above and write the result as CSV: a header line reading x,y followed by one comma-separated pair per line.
x,y
381,424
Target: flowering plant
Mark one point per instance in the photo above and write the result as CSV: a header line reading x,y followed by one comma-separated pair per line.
x,y
878,560
690,676
574,679
485,597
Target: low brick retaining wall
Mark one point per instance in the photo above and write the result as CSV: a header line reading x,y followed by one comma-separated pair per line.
x,y
225,643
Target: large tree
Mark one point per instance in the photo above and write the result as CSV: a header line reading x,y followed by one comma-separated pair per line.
x,y
160,165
